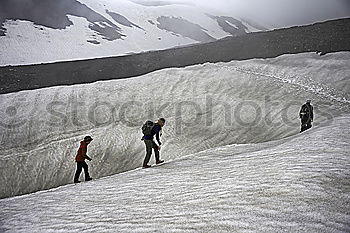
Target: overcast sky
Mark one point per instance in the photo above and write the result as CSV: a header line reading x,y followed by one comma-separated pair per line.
x,y
282,12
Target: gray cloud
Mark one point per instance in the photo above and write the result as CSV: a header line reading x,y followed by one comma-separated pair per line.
x,y
279,12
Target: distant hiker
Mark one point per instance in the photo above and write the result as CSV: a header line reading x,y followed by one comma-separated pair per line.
x,y
80,160
306,115
149,129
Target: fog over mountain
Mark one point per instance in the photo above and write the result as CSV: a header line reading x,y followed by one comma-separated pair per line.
x,y
279,13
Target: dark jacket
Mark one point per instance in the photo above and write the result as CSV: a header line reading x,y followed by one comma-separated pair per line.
x,y
156,130
81,154
307,111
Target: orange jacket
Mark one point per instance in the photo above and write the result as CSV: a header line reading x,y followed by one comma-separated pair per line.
x,y
81,155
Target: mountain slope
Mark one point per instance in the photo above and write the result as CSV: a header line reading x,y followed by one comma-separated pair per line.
x,y
298,184
45,31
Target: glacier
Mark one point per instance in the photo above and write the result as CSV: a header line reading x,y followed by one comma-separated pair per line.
x,y
206,106
235,160
295,184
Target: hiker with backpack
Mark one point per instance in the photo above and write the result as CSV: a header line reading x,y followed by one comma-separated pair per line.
x,y
149,130
306,115
80,160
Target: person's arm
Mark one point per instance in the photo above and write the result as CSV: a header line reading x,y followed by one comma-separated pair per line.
x,y
300,112
84,151
158,135
312,113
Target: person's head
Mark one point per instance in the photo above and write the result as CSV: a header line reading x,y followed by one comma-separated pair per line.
x,y
161,122
88,139
308,101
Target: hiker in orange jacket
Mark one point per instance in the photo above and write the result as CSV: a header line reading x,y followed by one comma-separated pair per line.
x,y
80,160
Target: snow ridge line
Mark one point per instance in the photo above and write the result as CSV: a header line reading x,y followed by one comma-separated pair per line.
x,y
316,90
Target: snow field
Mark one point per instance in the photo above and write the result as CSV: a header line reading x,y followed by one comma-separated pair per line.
x,y
296,184
206,106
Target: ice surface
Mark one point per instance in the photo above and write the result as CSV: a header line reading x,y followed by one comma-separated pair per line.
x,y
296,184
206,106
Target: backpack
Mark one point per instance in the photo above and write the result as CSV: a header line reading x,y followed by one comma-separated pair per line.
x,y
306,109
147,128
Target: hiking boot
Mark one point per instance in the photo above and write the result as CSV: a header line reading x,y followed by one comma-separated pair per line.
x,y
159,161
76,181
146,166
88,179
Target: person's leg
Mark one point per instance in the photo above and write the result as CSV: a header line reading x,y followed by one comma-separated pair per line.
x,y
156,151
302,127
310,125
148,144
86,171
78,171
303,124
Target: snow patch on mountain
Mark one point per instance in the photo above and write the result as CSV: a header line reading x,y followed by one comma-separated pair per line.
x,y
31,33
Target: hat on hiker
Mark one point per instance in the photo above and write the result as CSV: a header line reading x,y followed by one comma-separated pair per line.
x,y
88,138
